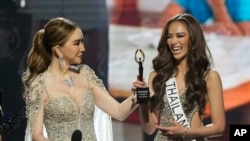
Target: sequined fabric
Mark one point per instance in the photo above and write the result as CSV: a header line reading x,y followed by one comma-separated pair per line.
x,y
61,122
166,114
61,115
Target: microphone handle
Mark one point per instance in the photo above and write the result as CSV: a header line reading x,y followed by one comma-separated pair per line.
x,y
76,136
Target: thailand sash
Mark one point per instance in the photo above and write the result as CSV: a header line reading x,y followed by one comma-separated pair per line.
x,y
175,103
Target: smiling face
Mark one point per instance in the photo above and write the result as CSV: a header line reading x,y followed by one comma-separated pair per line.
x,y
178,40
73,49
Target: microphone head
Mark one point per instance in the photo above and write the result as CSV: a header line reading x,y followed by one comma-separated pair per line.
x,y
76,136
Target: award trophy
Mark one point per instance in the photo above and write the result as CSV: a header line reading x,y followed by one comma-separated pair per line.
x,y
142,94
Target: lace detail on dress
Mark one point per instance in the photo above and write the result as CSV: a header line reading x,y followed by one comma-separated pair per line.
x,y
33,97
90,75
62,116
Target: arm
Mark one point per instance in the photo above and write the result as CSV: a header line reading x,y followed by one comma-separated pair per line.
x,y
216,103
219,10
37,126
35,98
105,101
12,124
148,118
245,27
108,104
221,15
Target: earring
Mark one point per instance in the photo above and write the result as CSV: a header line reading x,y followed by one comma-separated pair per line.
x,y
61,62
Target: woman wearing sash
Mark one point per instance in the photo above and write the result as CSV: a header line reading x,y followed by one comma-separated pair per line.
x,y
63,95
182,85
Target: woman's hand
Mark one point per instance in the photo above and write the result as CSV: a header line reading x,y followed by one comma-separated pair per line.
x,y
226,29
176,130
233,28
139,84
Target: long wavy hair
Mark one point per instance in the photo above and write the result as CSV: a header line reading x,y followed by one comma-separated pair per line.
x,y
199,61
56,32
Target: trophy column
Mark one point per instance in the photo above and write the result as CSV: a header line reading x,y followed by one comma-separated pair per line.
x,y
142,94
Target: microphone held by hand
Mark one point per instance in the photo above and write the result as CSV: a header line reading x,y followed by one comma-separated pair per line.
x,y
76,136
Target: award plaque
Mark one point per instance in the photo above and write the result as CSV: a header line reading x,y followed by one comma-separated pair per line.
x,y
142,94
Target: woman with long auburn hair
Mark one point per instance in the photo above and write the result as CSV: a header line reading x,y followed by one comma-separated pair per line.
x,y
181,85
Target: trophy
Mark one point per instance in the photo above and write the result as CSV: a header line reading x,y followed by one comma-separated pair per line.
x,y
142,94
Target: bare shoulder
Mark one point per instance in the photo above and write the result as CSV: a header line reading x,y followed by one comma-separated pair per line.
x,y
152,74
213,78
212,74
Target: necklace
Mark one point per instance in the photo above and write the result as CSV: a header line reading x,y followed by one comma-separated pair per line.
x,y
69,82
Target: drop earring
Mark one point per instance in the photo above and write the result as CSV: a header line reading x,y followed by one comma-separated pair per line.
x,y
61,62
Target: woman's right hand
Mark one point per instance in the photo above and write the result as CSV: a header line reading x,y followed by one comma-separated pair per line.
x,y
139,84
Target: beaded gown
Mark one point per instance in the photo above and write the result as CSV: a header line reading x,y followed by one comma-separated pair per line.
x,y
62,116
166,114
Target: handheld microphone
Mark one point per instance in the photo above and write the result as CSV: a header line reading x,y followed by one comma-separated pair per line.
x,y
76,136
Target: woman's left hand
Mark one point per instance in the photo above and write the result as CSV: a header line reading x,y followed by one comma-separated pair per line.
x,y
176,130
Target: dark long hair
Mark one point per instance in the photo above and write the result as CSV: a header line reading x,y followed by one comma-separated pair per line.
x,y
198,60
56,32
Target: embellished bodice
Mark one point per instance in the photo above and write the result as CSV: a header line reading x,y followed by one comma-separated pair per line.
x,y
62,114
62,118
166,115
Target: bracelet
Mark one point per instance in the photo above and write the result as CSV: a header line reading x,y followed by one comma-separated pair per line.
x,y
185,133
